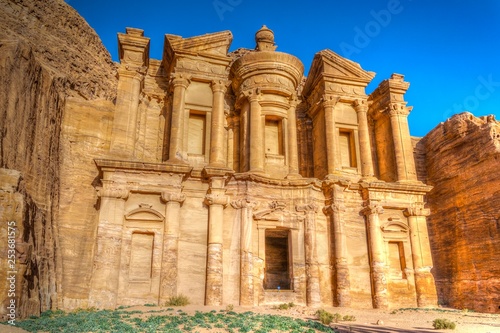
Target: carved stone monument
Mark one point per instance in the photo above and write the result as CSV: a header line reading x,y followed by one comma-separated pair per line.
x,y
203,192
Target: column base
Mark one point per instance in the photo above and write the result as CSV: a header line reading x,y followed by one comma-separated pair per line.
x,y
258,171
213,292
293,176
176,160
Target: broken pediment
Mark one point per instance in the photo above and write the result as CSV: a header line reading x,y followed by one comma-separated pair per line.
x,y
328,66
209,44
337,66
278,216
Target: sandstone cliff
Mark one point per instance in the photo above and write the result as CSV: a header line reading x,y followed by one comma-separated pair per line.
x,y
47,53
462,163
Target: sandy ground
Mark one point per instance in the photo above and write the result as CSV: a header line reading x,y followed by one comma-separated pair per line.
x,y
400,321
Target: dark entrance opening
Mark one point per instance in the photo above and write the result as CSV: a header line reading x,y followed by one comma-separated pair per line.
x,y
277,260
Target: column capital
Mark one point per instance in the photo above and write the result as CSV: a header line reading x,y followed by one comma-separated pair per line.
x,y
220,85
361,105
329,101
253,95
336,207
112,192
417,209
373,209
173,196
294,100
398,109
180,79
244,203
307,208
216,199
132,72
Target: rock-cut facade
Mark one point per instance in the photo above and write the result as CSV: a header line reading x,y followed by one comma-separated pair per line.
x,y
232,178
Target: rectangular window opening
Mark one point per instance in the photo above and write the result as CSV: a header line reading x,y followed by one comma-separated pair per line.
x,y
278,272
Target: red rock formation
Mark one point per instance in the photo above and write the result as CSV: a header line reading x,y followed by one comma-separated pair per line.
x,y
462,161
47,52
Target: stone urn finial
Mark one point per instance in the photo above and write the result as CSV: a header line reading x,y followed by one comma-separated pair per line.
x,y
265,39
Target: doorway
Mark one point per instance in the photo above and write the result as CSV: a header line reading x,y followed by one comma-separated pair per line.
x,y
278,271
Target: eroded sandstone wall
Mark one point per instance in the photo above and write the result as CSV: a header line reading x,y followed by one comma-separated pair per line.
x,y
462,158
47,53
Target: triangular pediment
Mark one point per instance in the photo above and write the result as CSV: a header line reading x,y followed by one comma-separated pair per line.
x,y
214,43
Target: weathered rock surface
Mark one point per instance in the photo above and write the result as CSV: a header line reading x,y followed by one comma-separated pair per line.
x,y
61,136
462,158
47,53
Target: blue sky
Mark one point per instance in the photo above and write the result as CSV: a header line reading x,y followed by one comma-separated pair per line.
x,y
447,50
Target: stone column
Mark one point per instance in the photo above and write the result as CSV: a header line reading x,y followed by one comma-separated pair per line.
x,y
244,138
246,253
170,255
257,156
342,275
293,155
217,157
403,149
421,255
106,271
133,50
127,106
180,82
216,201
365,150
313,295
332,139
377,258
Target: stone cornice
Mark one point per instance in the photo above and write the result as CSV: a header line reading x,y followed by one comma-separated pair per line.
x,y
135,166
299,182
416,187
